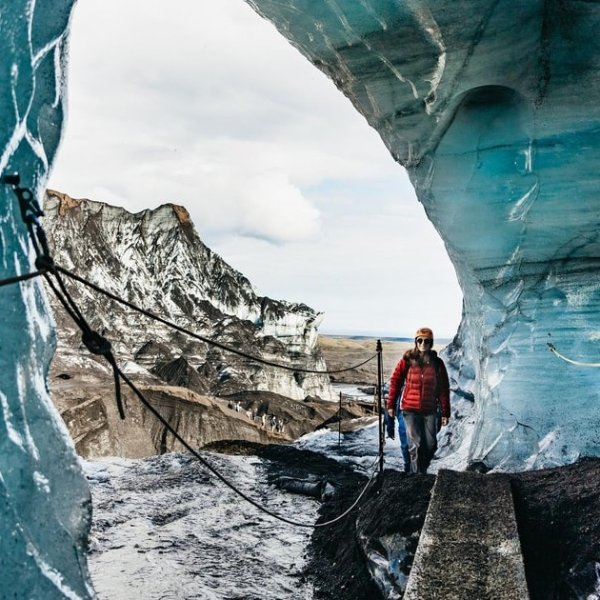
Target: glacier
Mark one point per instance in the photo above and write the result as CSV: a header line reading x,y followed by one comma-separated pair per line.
x,y
492,107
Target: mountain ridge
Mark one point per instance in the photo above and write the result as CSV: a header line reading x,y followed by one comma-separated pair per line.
x,y
154,259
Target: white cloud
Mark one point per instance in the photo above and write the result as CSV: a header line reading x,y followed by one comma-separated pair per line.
x,y
377,272
272,208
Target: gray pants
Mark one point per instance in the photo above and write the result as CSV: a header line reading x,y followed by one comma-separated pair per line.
x,y
422,439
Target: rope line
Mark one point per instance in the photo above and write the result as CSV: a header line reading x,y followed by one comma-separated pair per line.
x,y
119,374
99,345
93,341
19,278
30,214
554,351
224,479
202,338
57,268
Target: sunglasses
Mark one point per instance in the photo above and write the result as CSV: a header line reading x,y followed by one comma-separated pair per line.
x,y
421,340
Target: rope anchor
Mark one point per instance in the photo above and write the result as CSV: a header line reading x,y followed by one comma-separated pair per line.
x,y
578,363
11,179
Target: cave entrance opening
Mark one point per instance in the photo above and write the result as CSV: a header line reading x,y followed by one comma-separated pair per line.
x,y
282,177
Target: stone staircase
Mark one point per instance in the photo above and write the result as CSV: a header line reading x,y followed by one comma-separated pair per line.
x,y
469,546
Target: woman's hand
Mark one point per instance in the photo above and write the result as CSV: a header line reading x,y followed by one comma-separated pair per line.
x,y
391,412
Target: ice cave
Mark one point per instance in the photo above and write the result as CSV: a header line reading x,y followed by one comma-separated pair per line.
x,y
491,105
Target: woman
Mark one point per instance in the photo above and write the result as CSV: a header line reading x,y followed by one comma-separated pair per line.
x,y
422,378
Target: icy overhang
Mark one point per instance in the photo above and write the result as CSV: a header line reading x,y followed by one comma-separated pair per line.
x,y
44,498
492,105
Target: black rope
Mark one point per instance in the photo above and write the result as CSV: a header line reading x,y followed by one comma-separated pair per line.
x,y
73,310
228,483
197,336
30,213
204,462
91,339
99,345
19,278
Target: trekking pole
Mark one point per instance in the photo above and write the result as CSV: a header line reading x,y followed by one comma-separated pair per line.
x,y
380,404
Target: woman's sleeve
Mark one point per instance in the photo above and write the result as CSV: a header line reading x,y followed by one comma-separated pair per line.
x,y
396,382
444,390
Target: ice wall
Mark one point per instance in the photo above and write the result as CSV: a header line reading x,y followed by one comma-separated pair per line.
x,y
493,107
44,499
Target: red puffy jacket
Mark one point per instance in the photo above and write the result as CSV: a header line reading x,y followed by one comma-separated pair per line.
x,y
425,385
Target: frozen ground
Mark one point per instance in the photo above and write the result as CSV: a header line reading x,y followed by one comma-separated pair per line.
x,y
163,529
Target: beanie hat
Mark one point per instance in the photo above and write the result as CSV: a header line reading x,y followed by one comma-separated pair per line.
x,y
424,332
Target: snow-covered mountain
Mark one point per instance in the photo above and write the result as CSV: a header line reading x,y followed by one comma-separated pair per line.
x,y
155,260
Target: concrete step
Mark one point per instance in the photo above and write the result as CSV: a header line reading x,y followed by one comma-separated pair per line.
x,y
469,546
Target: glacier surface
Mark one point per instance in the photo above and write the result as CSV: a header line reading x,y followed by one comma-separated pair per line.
x,y
492,106
164,528
45,500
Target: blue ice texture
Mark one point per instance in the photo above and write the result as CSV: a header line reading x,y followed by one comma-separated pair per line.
x,y
44,498
493,108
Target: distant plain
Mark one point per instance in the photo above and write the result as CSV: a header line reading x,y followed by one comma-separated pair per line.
x,y
341,352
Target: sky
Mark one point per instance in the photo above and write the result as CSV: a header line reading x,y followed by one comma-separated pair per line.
x,y
206,105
